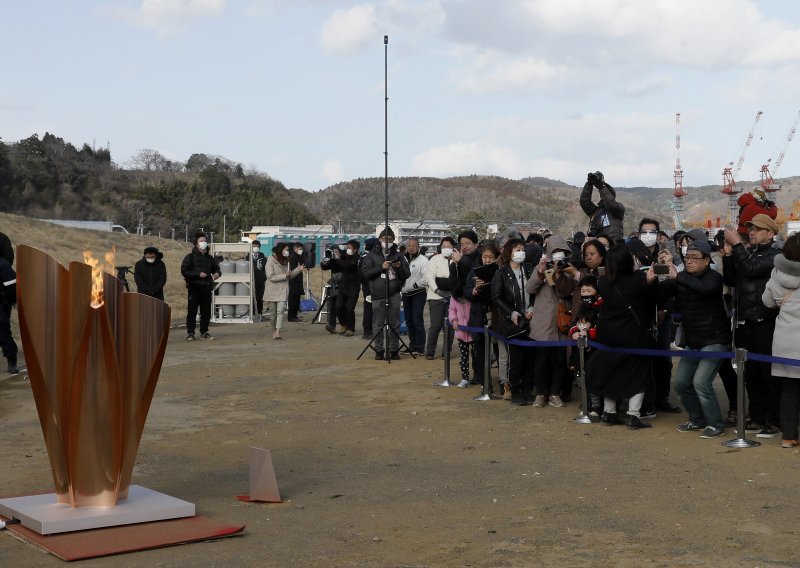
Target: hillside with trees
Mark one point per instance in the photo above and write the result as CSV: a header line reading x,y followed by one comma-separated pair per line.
x,y
51,178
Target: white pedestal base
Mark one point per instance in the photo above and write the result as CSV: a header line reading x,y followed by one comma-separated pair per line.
x,y
44,515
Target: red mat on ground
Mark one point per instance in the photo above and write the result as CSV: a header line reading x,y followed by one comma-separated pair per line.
x,y
81,545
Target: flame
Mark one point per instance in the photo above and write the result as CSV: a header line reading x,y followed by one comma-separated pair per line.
x,y
97,273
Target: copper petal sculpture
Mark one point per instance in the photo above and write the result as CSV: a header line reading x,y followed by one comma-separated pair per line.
x,y
93,370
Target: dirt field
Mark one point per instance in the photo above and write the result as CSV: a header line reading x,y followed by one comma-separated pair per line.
x,y
379,468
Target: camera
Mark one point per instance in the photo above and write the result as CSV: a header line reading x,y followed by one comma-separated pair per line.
x,y
596,179
560,265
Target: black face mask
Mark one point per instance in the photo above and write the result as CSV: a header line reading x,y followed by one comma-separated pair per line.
x,y
588,300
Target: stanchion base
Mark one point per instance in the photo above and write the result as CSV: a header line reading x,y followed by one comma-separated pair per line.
x,y
741,443
444,383
482,397
583,419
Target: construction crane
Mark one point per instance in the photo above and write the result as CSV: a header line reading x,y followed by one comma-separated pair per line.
x,y
767,181
729,174
677,202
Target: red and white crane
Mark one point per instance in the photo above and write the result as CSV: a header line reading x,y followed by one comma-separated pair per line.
x,y
729,174
677,176
767,181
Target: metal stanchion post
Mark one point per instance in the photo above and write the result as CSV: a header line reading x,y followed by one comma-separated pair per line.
x,y
487,367
446,352
741,440
583,417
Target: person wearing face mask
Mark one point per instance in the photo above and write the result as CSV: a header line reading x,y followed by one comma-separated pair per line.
x,y
277,288
200,270
439,290
345,263
587,314
551,285
414,296
297,257
150,273
463,261
259,260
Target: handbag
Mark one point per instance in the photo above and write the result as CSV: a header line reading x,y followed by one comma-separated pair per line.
x,y
563,317
520,329
651,331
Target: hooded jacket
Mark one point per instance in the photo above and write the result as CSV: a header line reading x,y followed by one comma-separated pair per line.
x,y
546,297
605,218
150,278
782,291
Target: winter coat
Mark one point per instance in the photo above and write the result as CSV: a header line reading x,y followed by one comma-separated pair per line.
x,y
372,269
749,207
416,283
296,278
459,315
460,270
196,262
507,299
259,260
605,218
150,278
480,303
782,292
438,267
749,272
699,300
547,297
347,266
277,286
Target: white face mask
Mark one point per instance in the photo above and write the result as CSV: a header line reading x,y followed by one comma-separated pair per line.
x,y
150,260
518,256
285,252
558,256
202,245
447,252
648,239
350,252
342,247
684,248
256,249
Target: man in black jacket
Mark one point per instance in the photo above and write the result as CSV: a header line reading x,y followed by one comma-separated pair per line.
x,y
200,270
150,273
346,264
605,217
297,258
8,297
259,260
384,263
748,268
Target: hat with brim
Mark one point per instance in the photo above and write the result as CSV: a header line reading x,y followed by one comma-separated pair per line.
x,y
763,221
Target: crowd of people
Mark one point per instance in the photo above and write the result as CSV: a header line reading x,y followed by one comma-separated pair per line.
x,y
699,292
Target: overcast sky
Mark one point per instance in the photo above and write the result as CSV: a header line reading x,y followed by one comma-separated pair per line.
x,y
515,88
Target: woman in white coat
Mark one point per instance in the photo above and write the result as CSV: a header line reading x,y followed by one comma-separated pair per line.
x,y
782,292
277,286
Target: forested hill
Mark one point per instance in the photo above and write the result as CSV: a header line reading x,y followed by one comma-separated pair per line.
x,y
51,178
461,200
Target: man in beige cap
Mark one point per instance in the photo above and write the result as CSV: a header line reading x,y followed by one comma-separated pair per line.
x,y
748,268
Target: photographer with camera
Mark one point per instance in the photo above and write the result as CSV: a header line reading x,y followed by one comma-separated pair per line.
x,y
605,217
382,264
551,286
345,263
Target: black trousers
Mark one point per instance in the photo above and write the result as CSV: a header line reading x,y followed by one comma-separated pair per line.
x,y
7,342
521,361
657,387
199,297
730,383
763,390
366,319
294,301
551,363
346,307
790,406
259,296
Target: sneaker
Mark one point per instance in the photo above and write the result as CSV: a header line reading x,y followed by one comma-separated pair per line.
x,y
610,419
789,443
13,370
506,391
379,355
394,356
342,330
636,423
429,357
556,401
475,381
190,337
647,414
538,402
519,400
206,335
712,432
751,426
768,432
689,427
330,329
463,384
366,336
348,333
732,418
594,416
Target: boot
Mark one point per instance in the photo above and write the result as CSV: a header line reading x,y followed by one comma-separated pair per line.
x,y
506,391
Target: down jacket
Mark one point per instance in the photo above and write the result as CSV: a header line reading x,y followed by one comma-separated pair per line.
x,y
749,272
699,300
605,218
782,292
372,270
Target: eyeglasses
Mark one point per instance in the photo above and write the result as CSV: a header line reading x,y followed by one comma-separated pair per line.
x,y
693,257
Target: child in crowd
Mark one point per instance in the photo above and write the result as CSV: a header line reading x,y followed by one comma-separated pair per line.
x,y
458,314
585,325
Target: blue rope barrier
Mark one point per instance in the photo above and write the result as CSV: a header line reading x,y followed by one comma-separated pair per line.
x,y
637,351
